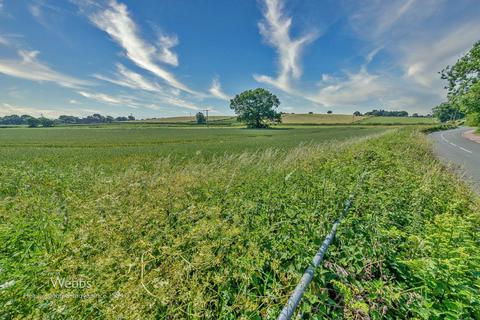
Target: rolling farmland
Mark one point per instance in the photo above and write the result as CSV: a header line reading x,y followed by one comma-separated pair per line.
x,y
267,159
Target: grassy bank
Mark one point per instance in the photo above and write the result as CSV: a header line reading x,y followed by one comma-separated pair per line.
x,y
164,234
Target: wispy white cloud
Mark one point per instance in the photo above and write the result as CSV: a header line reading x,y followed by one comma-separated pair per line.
x,y
275,30
417,40
35,10
29,67
216,90
130,79
371,19
154,101
364,90
105,98
177,102
4,41
9,109
165,44
419,48
127,78
51,16
115,20
356,88
421,60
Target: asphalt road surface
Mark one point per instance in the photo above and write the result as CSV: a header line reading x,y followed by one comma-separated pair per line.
x,y
464,154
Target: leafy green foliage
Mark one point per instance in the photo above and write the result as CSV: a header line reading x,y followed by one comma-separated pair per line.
x,y
63,119
470,101
33,122
473,119
440,127
200,118
45,122
162,231
447,112
464,81
464,74
256,108
386,113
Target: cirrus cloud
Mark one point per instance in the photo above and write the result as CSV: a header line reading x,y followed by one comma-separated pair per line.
x,y
116,21
275,30
30,68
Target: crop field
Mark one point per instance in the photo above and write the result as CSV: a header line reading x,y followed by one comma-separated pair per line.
x,y
398,120
220,223
111,143
320,118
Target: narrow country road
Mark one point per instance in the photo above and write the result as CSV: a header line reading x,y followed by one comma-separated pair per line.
x,y
452,147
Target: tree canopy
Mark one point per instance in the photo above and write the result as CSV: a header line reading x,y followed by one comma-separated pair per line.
x,y
464,74
385,113
256,108
464,81
446,111
200,117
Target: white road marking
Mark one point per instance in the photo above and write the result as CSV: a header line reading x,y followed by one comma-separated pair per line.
x,y
466,150
453,144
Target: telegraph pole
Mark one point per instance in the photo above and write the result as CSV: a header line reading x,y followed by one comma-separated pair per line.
x,y
206,115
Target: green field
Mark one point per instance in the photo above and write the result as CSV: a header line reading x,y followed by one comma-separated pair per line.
x,y
110,143
304,119
220,223
186,120
398,120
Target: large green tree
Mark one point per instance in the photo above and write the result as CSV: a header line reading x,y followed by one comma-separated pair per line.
x,y
256,108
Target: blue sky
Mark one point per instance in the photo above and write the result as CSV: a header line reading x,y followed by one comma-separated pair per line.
x,y
162,58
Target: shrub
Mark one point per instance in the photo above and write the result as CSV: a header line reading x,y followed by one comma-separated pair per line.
x,y
473,119
200,117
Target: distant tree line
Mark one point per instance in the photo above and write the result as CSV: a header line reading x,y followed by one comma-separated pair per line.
x,y
61,120
385,113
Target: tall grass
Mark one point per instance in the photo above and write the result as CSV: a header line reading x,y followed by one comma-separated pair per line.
x,y
229,236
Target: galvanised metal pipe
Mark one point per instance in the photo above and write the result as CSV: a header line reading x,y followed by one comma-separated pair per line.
x,y
292,303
